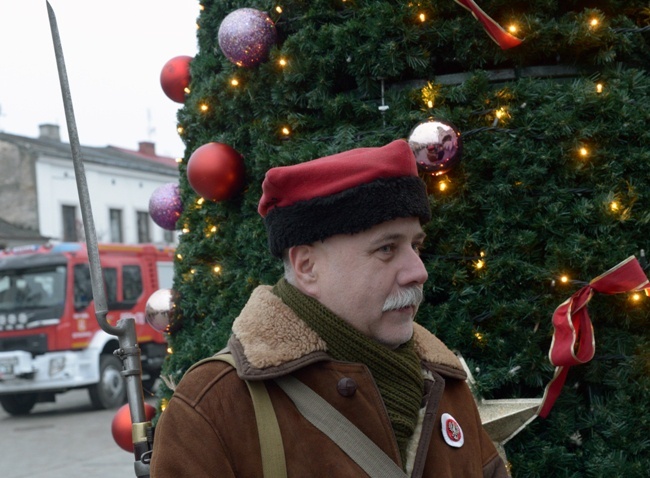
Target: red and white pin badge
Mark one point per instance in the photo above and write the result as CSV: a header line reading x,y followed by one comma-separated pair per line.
x,y
451,431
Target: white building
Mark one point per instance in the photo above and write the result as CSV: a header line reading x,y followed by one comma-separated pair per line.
x,y
38,191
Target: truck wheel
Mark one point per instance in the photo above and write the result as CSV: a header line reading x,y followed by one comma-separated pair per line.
x,y
19,404
110,392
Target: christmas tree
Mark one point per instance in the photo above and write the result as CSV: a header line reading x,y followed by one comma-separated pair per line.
x,y
547,190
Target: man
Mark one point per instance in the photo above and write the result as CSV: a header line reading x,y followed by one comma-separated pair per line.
x,y
349,229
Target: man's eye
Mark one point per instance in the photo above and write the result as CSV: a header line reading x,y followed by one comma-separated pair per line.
x,y
388,248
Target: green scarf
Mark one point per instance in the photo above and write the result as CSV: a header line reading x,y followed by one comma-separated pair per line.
x,y
397,372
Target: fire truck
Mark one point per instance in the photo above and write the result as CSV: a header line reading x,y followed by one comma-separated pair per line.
x,y
50,341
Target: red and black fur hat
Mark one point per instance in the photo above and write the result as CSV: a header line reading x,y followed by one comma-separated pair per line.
x,y
344,193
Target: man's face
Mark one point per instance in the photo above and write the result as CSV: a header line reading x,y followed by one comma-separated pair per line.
x,y
356,274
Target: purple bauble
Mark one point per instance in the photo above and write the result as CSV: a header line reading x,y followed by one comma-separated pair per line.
x,y
165,206
437,146
246,36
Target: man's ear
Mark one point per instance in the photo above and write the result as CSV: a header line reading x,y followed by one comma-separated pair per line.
x,y
303,260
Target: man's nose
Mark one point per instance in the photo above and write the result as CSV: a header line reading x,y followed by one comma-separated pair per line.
x,y
413,271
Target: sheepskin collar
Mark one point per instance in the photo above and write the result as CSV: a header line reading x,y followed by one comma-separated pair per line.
x,y
270,340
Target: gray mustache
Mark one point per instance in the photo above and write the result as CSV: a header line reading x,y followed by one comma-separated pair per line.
x,y
409,296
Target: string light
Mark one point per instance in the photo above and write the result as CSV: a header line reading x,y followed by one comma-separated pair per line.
x,y
186,230
170,350
234,82
614,206
179,257
179,160
180,129
599,88
564,279
217,269
200,201
594,22
584,152
512,28
636,297
480,264
285,130
442,185
479,336
187,90
422,17
282,62
278,9
204,107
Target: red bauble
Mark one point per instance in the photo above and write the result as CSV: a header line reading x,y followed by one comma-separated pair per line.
x,y
175,77
121,426
215,171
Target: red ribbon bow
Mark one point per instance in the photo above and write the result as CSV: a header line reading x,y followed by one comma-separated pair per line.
x,y
504,39
573,339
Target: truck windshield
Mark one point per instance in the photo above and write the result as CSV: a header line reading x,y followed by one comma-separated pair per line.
x,y
32,288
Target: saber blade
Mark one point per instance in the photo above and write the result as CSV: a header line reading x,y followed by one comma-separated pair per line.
x,y
128,351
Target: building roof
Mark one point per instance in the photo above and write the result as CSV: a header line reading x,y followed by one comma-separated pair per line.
x,y
10,232
107,156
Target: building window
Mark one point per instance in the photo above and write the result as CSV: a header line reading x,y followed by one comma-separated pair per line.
x,y
168,236
144,234
69,223
115,216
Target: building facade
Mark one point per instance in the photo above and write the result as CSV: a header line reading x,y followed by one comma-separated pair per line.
x,y
38,190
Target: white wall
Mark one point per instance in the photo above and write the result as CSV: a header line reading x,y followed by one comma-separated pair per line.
x,y
109,188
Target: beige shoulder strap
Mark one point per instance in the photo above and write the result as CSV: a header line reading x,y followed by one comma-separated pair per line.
x,y
273,462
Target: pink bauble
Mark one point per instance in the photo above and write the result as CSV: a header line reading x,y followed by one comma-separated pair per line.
x,y
165,206
246,36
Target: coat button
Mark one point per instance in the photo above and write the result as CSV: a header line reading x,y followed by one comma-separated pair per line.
x,y
346,387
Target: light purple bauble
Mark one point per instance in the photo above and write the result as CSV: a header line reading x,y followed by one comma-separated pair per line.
x,y
246,36
165,206
159,311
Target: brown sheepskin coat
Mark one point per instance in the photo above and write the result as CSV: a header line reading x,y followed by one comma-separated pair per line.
x,y
209,430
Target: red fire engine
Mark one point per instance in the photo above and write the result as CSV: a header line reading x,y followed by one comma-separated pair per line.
x,y
50,341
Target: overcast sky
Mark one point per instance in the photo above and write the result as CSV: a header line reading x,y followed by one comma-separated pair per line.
x,y
114,51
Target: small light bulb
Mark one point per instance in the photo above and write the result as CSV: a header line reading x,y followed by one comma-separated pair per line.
x,y
192,271
636,297
278,9
480,264
204,107
442,185
512,28
599,88
179,257
216,269
594,22
478,335
213,229
186,230
282,62
180,129
285,131
430,104
614,206
234,82
179,160
584,152
187,90
170,350
422,17
564,279
200,201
